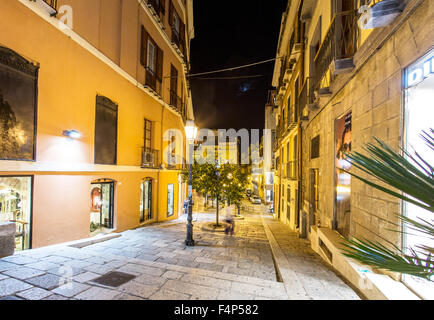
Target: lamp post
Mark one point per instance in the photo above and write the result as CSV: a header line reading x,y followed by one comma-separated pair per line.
x,y
190,134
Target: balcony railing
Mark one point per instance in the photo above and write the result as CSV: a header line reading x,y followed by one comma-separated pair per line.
x,y
150,158
291,170
178,41
271,99
51,3
338,47
307,95
152,81
158,7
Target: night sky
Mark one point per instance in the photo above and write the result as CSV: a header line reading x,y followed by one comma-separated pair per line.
x,y
230,33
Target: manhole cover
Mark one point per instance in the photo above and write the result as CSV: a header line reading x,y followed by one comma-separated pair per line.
x,y
114,279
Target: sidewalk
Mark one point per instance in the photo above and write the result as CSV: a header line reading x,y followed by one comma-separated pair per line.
x,y
162,267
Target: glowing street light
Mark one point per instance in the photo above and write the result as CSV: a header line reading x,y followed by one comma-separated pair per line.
x,y
190,134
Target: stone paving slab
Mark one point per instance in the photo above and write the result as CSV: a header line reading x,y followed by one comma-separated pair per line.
x,y
218,267
34,294
11,286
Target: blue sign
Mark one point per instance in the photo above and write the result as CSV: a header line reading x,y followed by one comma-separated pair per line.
x,y
419,71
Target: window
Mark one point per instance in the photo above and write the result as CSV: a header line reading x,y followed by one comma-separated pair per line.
x,y
18,90
170,199
151,58
106,131
419,94
288,203
148,135
314,148
178,28
151,62
174,99
314,182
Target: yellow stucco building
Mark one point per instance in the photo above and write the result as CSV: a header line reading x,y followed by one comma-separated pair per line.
x,y
91,95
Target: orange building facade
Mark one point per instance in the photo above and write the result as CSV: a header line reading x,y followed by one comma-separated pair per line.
x,y
93,102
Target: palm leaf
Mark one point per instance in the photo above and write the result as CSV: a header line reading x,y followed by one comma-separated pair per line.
x,y
408,177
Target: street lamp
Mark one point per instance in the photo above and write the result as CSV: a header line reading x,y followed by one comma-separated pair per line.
x,y
190,134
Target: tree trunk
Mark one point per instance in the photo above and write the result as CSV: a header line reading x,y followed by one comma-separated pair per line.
x,y
206,202
217,214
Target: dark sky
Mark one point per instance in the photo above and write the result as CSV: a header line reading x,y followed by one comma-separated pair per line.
x,y
230,33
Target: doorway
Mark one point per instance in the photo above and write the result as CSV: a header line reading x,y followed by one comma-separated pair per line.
x,y
16,206
343,139
101,215
146,200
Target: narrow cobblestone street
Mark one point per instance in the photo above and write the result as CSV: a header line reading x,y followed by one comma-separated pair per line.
x,y
218,267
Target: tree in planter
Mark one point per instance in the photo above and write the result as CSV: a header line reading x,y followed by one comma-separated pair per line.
x,y
412,176
220,183
234,184
206,181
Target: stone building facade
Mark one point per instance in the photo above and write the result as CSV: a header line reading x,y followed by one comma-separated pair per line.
x,y
355,77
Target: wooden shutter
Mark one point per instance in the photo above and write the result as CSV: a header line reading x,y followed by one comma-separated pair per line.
x,y
144,47
171,13
163,7
182,35
160,56
174,80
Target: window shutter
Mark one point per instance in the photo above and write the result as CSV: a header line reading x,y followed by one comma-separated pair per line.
x,y
170,13
163,7
182,33
160,55
144,47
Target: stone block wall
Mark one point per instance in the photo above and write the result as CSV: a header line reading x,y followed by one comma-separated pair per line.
x,y
374,93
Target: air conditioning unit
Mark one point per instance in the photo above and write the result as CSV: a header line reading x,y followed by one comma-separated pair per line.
x,y
148,159
288,74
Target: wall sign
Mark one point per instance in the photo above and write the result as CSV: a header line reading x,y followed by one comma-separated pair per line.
x,y
419,71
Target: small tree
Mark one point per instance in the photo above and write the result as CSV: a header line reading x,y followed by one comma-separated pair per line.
x,y
234,184
225,182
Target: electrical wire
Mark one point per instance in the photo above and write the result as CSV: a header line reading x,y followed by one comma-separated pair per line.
x,y
230,69
233,68
231,78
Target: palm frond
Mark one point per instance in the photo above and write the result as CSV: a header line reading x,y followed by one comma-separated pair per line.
x,y
409,177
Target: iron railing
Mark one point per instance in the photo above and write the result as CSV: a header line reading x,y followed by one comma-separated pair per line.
x,y
339,43
291,170
51,3
158,7
307,95
271,99
150,158
177,40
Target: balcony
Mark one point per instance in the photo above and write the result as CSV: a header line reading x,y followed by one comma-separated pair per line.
x,y
335,55
307,96
47,5
378,13
150,158
291,170
157,9
152,82
271,98
178,42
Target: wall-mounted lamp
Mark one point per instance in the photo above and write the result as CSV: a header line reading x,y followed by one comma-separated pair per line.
x,y
73,134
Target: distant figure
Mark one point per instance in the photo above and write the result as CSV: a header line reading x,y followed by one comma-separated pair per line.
x,y
230,221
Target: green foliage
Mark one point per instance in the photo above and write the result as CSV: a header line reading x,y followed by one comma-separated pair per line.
x,y
234,183
408,177
227,182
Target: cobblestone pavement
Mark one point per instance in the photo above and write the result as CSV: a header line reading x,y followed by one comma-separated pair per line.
x,y
218,267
